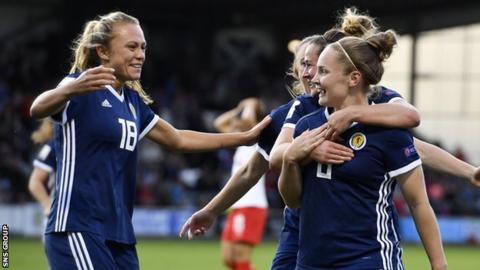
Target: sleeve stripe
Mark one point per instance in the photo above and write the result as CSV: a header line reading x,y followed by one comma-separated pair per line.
x,y
405,169
288,125
149,127
43,166
262,152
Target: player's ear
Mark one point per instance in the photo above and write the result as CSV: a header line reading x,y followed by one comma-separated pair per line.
x,y
354,78
102,53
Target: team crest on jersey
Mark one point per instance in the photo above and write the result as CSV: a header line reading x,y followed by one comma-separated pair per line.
x,y
132,109
358,141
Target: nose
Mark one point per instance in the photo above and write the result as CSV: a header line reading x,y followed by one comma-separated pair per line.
x,y
306,74
140,54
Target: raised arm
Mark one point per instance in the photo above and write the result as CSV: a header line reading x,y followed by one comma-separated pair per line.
x,y
439,159
397,114
241,117
53,101
412,185
192,141
237,186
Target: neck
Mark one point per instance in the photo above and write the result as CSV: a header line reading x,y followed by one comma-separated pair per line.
x,y
118,86
355,97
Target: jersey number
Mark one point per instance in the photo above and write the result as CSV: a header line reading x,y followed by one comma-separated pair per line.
x,y
324,171
129,134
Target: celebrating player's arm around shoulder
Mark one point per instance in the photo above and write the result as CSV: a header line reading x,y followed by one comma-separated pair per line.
x,y
346,70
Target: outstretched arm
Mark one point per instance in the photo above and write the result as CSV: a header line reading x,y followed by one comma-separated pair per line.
x,y
237,186
398,114
53,101
413,189
192,141
439,159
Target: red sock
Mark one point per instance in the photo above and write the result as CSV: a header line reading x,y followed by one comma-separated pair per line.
x,y
243,266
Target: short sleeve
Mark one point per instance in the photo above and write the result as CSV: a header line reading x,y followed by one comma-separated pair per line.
x,y
294,114
46,159
400,153
64,115
148,118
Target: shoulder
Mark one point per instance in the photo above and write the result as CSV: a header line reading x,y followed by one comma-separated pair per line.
x,y
385,95
313,119
306,99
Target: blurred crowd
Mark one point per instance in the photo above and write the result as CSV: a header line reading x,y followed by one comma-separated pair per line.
x,y
190,85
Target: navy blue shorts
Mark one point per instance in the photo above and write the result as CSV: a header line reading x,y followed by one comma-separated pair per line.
x,y
88,251
286,255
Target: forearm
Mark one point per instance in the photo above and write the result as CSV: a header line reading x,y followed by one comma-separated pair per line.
x,y
39,192
276,156
439,159
429,233
237,186
193,141
289,184
50,102
392,115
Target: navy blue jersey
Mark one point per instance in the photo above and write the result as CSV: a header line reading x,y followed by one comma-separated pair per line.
x,y
302,106
46,160
270,133
96,160
306,104
347,218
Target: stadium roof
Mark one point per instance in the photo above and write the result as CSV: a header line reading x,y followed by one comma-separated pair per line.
x,y
406,16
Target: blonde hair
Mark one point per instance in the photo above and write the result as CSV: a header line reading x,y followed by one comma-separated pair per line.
x,y
353,23
44,132
366,55
96,33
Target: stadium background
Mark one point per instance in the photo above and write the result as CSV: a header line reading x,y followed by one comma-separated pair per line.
x,y
202,58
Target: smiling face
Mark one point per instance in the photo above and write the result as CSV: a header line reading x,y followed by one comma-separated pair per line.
x,y
332,84
310,62
125,52
300,66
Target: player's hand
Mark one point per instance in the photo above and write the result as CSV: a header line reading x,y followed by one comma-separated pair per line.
x,y
338,122
198,224
251,136
475,179
92,79
329,152
302,146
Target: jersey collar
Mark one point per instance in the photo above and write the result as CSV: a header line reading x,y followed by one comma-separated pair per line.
x,y
327,115
115,93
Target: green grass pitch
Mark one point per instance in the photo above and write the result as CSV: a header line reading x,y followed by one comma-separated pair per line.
x,y
27,254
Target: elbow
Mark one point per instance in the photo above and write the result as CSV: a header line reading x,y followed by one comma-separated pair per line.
x,y
35,112
413,118
32,185
275,166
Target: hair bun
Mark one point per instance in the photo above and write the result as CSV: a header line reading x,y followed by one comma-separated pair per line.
x,y
383,43
355,24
